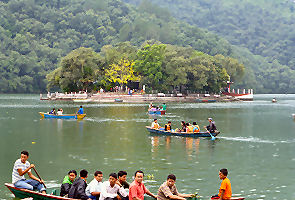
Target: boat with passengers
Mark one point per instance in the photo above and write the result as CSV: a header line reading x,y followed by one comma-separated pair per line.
x,y
64,116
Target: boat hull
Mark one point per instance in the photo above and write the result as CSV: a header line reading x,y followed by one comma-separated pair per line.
x,y
205,100
244,97
70,116
158,112
24,193
162,132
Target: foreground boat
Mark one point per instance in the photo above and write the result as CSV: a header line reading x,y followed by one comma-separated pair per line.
x,y
158,112
182,134
24,193
68,116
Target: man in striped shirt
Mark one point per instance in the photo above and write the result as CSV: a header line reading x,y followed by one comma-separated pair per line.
x,y
22,167
168,190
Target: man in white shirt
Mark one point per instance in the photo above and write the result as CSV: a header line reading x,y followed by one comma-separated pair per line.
x,y
20,168
110,189
93,189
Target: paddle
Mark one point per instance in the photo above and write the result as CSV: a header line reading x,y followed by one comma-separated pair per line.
x,y
212,137
38,176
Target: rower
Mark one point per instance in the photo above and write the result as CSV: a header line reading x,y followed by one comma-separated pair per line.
x,y
164,107
168,126
80,111
211,128
22,167
155,124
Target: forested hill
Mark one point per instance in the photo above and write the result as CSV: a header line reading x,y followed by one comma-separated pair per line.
x,y
35,34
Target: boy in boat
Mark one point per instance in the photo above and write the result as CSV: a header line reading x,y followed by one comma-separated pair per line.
x,y
225,187
168,126
52,112
67,182
80,111
110,189
196,127
77,191
155,124
93,189
22,167
168,190
123,183
211,128
137,188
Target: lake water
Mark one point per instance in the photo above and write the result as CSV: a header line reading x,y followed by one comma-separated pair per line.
x,y
256,144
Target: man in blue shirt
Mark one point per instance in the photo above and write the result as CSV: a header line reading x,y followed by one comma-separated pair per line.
x,y
80,111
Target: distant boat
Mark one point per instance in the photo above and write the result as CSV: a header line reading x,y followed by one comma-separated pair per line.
x,y
66,116
246,96
157,112
181,134
118,100
274,100
82,100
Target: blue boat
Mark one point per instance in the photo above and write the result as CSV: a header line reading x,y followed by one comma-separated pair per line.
x,y
68,116
157,112
181,134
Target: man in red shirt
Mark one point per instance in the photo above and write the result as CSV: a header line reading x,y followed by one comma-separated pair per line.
x,y
137,188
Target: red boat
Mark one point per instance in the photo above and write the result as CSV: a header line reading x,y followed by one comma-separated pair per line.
x,y
242,95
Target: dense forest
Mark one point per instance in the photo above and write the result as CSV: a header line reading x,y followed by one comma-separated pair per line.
x,y
38,35
262,27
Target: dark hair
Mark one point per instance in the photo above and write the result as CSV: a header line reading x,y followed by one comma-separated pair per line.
x,y
80,106
171,176
25,153
122,173
83,173
224,171
53,108
113,175
194,123
97,172
72,171
183,122
187,124
155,119
138,171
169,122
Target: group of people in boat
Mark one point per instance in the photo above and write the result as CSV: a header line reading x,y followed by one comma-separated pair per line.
x,y
60,111
185,127
115,188
157,108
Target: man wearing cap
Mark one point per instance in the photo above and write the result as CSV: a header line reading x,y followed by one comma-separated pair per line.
x,y
211,128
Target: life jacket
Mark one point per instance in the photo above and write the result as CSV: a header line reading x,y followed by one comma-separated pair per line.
x,y
189,129
197,129
156,126
167,127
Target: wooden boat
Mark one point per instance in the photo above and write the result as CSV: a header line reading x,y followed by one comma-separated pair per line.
x,y
24,193
158,112
182,134
67,116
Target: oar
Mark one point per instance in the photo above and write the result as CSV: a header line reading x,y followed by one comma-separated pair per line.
x,y
38,176
212,137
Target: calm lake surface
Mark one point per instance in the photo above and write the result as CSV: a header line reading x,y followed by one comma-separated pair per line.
x,y
256,144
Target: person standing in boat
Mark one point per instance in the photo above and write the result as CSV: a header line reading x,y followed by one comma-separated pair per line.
x,y
168,190
211,128
77,191
164,107
67,182
22,167
80,111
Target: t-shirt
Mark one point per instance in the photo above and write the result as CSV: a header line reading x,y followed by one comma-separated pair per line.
x,y
19,165
164,106
59,112
93,186
112,192
226,186
80,111
155,125
165,191
137,190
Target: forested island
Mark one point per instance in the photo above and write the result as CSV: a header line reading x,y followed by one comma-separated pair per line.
x,y
74,45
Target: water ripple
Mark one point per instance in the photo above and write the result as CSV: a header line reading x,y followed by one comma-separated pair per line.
x,y
256,140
